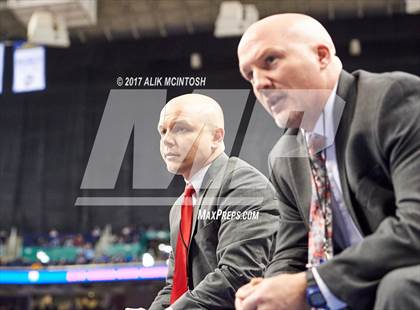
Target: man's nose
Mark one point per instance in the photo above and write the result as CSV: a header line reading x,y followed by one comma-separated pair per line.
x,y
261,81
168,139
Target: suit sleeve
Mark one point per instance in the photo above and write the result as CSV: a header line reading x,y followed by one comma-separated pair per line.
x,y
162,300
354,275
291,242
244,247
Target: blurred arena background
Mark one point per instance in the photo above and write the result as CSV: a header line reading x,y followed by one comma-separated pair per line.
x,y
56,255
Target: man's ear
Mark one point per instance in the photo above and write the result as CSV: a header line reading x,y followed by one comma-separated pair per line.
x,y
324,55
218,136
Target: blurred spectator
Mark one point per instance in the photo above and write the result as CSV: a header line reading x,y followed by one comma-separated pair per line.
x,y
128,245
95,234
3,236
88,252
46,303
78,240
54,240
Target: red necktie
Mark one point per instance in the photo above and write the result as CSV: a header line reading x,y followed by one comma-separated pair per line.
x,y
179,283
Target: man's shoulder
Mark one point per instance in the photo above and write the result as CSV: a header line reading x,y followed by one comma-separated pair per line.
x,y
240,173
385,78
382,92
233,170
235,163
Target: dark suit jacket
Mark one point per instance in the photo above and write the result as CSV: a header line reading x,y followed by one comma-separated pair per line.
x,y
225,253
378,157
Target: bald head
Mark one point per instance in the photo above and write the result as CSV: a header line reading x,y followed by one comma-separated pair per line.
x,y
202,107
289,26
191,131
289,55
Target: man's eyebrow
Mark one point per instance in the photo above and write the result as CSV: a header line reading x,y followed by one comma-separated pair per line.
x,y
266,51
244,67
180,122
173,123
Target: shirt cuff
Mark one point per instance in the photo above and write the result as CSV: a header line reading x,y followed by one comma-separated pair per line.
x,y
332,301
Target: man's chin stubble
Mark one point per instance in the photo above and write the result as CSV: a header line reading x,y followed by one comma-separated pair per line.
x,y
293,121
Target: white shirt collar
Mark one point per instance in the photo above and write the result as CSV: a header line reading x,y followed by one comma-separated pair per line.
x,y
197,179
326,118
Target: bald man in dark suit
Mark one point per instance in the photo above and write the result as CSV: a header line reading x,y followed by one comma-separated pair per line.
x,y
347,171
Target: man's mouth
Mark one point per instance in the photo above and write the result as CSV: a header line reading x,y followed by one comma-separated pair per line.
x,y
274,102
171,156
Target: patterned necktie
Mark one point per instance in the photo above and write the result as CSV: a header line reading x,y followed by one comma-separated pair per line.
x,y
179,284
320,215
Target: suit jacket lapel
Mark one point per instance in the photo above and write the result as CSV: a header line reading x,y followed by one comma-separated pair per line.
x,y
175,216
346,94
211,173
299,172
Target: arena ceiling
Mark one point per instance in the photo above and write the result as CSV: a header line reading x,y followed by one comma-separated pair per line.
x,y
136,19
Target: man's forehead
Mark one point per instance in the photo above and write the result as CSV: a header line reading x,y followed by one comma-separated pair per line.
x,y
253,49
256,40
169,118
173,116
262,31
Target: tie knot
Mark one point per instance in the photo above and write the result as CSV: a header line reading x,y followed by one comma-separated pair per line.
x,y
316,143
189,190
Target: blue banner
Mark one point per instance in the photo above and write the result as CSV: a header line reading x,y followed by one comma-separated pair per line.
x,y
80,274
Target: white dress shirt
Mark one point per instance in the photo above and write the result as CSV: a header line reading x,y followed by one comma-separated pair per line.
x,y
196,180
345,231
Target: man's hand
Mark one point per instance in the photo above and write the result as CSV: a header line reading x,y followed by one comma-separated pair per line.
x,y
247,290
285,291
